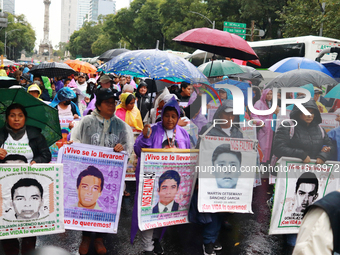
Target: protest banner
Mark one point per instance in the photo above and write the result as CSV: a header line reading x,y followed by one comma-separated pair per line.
x,y
328,121
249,132
299,185
132,161
65,130
226,170
167,179
31,200
93,186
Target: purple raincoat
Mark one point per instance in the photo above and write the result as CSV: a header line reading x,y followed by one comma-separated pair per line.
x,y
155,141
264,134
59,85
200,121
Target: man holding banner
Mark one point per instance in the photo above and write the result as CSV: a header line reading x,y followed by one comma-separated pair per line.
x,y
101,128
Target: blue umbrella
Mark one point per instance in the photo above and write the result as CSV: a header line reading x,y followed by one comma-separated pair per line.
x,y
293,63
154,64
333,67
241,85
334,93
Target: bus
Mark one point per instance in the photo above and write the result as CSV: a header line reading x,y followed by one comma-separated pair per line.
x,y
272,51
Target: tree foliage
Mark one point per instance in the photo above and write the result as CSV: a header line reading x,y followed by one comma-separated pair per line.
x,y
20,36
301,18
82,39
145,21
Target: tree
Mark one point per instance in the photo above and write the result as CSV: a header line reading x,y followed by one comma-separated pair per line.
x,y
265,15
20,36
61,49
305,18
82,39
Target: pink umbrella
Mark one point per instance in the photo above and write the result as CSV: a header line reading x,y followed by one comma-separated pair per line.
x,y
218,42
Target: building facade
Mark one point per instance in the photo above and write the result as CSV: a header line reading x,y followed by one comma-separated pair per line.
x,y
68,19
8,6
101,7
83,10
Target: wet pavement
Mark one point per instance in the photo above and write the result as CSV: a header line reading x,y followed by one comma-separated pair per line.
x,y
249,233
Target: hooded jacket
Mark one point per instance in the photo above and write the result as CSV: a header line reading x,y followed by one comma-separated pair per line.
x,y
37,142
307,140
217,130
143,101
65,94
264,134
155,141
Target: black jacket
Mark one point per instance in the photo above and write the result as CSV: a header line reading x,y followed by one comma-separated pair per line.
x,y
143,103
37,142
306,141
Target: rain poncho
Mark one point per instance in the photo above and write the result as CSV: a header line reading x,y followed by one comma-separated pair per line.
x,y
3,72
155,141
37,87
133,117
63,95
94,129
199,119
264,134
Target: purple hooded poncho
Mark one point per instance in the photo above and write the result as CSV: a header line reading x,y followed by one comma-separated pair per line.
x,y
155,141
264,134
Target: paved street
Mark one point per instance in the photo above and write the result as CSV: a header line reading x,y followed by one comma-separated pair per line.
x,y
248,235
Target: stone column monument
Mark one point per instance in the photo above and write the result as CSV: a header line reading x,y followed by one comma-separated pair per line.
x,y
45,46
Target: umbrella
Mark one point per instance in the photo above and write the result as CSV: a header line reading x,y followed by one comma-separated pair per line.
x,y
81,66
6,82
294,63
218,42
53,69
333,67
219,68
39,114
334,93
8,62
154,64
200,57
250,74
241,85
110,54
300,77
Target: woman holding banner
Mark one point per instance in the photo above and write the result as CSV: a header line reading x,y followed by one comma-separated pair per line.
x,y
164,134
307,140
102,128
16,134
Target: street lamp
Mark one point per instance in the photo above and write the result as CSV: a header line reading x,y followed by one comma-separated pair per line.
x,y
211,22
6,36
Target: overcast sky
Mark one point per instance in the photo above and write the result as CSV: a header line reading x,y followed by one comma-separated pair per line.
x,y
34,12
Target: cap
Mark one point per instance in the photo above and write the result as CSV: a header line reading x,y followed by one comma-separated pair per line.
x,y
222,90
25,76
93,80
227,110
104,78
103,94
34,87
317,90
82,75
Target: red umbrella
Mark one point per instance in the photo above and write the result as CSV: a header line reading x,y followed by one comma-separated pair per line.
x,y
218,42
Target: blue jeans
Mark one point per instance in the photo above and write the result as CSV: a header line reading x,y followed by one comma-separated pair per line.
x,y
291,239
211,230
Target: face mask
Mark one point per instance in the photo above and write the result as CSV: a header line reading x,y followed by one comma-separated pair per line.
x,y
67,102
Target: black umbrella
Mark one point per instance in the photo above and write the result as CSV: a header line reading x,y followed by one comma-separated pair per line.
x,y
110,54
52,69
250,74
300,77
6,82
